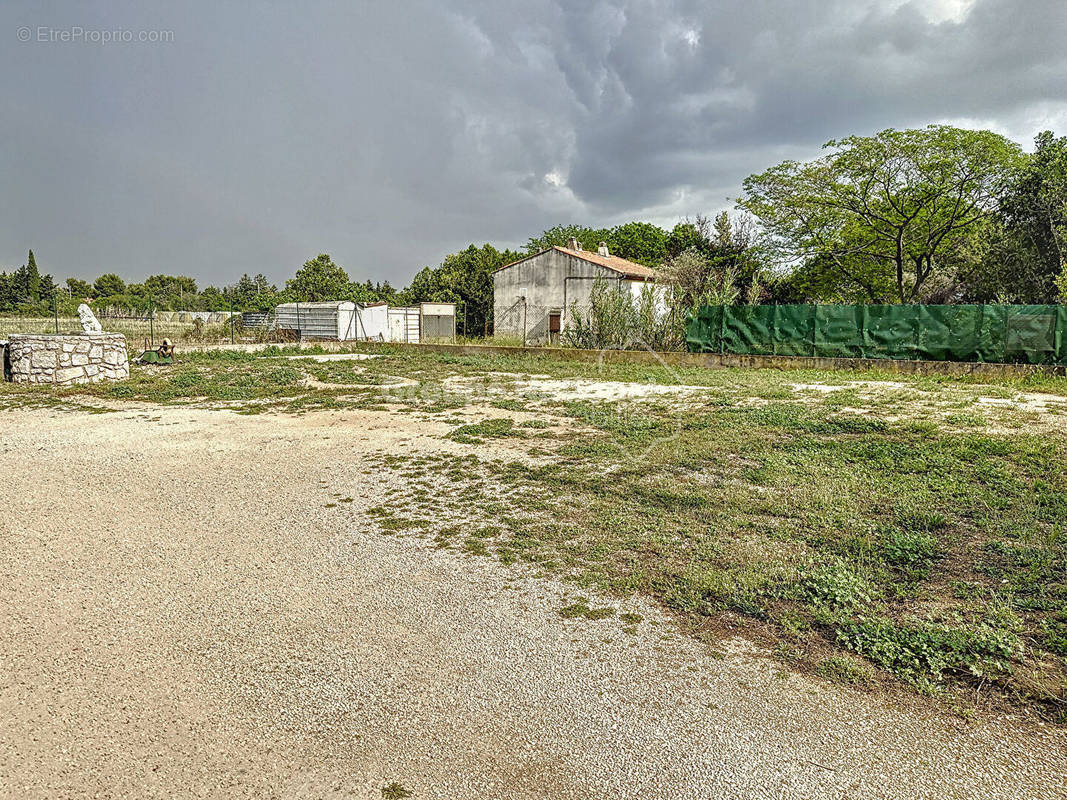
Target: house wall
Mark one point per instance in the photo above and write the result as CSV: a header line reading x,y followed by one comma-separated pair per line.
x,y
660,294
547,289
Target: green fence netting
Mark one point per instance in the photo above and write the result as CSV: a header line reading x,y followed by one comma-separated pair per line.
x,y
998,334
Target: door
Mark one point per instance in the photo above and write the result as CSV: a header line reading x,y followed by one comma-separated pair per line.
x,y
553,326
397,325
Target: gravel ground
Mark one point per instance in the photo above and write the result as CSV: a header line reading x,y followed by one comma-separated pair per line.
x,y
184,616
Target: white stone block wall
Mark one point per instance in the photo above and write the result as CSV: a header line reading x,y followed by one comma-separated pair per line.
x,y
63,360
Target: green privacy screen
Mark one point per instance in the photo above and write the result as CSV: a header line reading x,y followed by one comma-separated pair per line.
x,y
1028,334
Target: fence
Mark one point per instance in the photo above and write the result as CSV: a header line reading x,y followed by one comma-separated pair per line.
x,y
149,328
140,328
532,324
981,333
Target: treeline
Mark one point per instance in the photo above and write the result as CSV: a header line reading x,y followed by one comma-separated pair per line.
x,y
934,215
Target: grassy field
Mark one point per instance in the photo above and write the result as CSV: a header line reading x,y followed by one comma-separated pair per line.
x,y
877,530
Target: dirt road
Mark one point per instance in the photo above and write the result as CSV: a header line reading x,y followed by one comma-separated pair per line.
x,y
183,615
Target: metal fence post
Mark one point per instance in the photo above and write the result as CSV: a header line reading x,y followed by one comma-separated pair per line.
x,y
152,321
231,321
55,312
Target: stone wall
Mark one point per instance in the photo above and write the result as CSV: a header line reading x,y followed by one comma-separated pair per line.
x,y
63,360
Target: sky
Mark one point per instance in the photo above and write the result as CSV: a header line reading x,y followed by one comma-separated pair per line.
x,y
213,139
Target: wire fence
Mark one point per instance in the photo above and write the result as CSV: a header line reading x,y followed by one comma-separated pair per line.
x,y
189,328
524,324
181,327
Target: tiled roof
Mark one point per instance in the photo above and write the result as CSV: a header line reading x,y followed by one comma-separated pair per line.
x,y
626,268
620,265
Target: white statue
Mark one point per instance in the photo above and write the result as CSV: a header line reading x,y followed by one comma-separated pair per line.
x,y
90,324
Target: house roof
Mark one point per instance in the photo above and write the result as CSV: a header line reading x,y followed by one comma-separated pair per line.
x,y
625,268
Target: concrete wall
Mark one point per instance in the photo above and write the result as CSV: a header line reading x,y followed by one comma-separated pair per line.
x,y
544,279
64,360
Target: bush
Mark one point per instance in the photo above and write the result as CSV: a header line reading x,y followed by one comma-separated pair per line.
x,y
617,321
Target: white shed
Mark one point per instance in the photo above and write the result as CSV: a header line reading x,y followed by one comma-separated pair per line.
x,y
330,320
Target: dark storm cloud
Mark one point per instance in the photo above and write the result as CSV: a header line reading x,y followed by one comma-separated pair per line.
x,y
392,133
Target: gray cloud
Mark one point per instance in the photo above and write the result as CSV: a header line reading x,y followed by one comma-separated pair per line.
x,y
389,134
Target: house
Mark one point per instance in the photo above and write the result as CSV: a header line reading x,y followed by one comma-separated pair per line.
x,y
534,296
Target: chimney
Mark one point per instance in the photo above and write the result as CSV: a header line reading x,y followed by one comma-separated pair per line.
x,y
574,244
603,249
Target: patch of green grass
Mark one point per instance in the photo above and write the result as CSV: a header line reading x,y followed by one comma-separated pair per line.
x,y
395,791
843,669
488,429
581,608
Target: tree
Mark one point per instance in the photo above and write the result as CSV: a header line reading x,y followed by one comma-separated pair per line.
x,y
79,288
27,281
689,235
720,264
561,235
318,279
464,278
47,288
109,284
256,293
1027,247
894,206
8,301
170,291
641,242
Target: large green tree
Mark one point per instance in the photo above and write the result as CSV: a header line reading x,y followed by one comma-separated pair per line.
x,y
28,281
79,288
256,293
1027,253
108,285
464,278
641,242
560,236
889,214
319,279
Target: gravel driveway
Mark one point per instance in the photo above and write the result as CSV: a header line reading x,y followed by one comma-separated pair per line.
x,y
184,616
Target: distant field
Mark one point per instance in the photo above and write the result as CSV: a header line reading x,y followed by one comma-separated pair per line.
x,y
135,330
